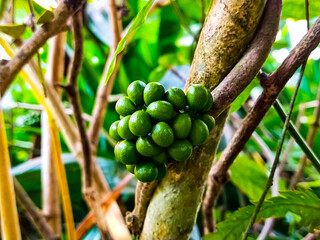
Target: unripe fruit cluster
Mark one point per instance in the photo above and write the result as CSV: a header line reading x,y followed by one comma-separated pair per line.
x,y
156,126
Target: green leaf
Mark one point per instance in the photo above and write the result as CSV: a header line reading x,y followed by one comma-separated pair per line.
x,y
240,100
248,176
2,6
14,30
47,16
295,9
302,202
137,23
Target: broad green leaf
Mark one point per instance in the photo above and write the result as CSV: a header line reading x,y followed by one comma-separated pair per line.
x,y
47,16
295,9
248,176
240,100
137,23
2,6
303,203
14,30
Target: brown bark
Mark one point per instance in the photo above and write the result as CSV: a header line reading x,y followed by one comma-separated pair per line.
x,y
232,85
273,85
228,29
9,69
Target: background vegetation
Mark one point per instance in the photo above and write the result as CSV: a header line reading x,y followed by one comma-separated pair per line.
x,y
162,50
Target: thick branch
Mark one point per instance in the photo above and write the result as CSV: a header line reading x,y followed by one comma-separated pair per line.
x,y
232,85
61,14
249,65
273,86
143,195
33,213
229,28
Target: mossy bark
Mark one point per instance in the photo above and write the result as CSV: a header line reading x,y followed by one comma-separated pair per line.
x,y
229,27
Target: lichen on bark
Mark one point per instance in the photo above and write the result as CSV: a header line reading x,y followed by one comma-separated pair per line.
x,y
228,29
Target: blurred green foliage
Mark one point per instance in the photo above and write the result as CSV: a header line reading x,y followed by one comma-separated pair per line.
x,y
162,50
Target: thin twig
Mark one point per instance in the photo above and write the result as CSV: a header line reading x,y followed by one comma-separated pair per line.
x,y
277,157
310,140
33,28
104,90
33,213
291,142
59,23
297,137
72,90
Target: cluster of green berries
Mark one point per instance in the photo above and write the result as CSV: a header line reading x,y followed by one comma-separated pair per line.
x,y
157,125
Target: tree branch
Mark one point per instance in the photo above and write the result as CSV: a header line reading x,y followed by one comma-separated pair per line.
x,y
143,195
310,140
275,82
59,23
72,90
104,90
273,85
232,85
249,65
33,213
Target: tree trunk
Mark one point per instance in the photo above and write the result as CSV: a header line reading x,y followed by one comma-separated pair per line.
x,y
229,28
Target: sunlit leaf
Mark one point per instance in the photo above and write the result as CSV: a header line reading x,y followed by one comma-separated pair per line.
x,y
248,176
137,23
14,30
47,16
303,203
295,9
240,100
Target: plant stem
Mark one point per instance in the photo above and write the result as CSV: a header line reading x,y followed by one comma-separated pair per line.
x,y
298,138
277,157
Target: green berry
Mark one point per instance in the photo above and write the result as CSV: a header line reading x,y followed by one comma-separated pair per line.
x,y
176,97
161,111
125,152
199,132
162,134
181,125
180,150
147,147
153,91
123,128
124,106
113,131
146,171
140,123
135,92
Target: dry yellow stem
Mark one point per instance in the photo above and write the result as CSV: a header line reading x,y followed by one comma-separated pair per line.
x,y
8,209
71,234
